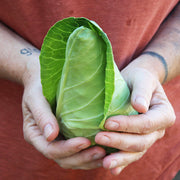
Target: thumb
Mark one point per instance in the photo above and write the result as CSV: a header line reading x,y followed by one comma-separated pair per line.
x,y
142,90
43,116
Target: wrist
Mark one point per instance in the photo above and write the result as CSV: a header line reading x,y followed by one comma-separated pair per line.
x,y
163,62
16,56
152,64
32,71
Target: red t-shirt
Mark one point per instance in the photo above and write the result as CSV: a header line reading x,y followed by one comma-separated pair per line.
x,y
130,25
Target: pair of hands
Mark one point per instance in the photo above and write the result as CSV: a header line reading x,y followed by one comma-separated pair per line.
x,y
132,135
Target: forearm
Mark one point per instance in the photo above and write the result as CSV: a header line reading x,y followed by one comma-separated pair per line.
x,y
15,55
166,43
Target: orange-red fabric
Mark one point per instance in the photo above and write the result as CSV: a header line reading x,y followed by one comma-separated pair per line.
x,y
130,25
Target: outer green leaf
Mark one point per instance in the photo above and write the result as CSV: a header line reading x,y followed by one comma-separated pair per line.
x,y
52,57
64,59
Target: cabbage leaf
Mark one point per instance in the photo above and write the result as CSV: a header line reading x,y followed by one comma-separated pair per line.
x,y
80,79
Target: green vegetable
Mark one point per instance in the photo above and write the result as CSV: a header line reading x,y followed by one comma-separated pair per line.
x,y
80,79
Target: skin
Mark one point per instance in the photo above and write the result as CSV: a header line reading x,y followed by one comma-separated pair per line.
x,y
138,132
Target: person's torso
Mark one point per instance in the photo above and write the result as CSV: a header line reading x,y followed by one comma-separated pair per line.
x,y
129,24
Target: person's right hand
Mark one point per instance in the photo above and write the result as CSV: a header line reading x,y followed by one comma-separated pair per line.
x,y
41,128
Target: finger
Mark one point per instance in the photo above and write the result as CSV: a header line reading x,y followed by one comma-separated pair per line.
x,y
87,166
90,165
54,149
121,158
60,149
142,89
116,171
128,142
42,114
84,159
159,116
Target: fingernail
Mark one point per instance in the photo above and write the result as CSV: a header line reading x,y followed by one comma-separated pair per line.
x,y
48,130
113,164
141,101
97,156
112,125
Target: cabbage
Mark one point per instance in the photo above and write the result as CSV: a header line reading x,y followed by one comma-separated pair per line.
x,y
80,79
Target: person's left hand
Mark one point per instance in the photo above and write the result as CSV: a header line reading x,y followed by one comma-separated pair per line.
x,y
135,134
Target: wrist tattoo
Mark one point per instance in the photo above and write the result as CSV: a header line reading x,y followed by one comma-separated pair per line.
x,y
163,61
29,51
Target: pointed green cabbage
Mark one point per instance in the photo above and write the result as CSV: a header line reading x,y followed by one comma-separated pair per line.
x,y
80,79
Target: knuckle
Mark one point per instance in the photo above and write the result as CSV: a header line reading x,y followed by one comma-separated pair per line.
x,y
53,153
26,138
148,125
136,147
139,156
82,167
66,166
162,133
71,151
142,146
125,160
86,168
128,123
139,147
25,133
67,150
28,125
39,115
171,116
117,143
49,155
172,119
89,167
85,157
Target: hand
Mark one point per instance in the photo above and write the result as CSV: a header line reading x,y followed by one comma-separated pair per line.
x,y
41,128
135,134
